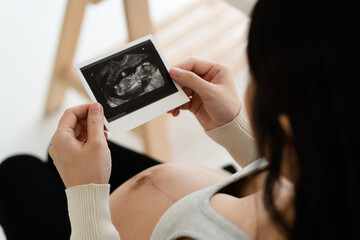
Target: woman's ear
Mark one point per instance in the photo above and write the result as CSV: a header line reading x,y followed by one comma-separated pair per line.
x,y
285,125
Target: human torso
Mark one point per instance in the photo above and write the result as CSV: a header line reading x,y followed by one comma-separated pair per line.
x,y
214,213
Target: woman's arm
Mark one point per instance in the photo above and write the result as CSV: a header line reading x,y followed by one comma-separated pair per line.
x,y
89,212
216,105
81,156
237,138
213,97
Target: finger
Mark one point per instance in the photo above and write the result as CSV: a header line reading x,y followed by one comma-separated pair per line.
x,y
186,106
205,69
196,103
106,134
189,92
82,137
77,130
171,111
95,124
198,66
83,134
72,115
176,112
190,80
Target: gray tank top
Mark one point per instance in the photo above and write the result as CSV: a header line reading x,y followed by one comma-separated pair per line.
x,y
192,216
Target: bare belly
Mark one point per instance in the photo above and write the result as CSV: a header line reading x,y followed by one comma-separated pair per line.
x,y
137,205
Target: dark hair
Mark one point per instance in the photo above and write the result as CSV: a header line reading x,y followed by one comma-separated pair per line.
x,y
301,55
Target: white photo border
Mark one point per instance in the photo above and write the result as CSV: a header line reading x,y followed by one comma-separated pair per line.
x,y
146,113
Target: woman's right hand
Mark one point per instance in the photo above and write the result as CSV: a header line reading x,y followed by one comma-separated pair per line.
x,y
212,92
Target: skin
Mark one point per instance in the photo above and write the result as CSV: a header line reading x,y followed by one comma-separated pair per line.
x,y
79,162
137,205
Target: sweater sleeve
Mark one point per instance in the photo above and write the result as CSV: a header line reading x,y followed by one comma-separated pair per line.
x,y
237,138
89,212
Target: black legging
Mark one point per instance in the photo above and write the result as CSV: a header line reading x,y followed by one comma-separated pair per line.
x,y
32,195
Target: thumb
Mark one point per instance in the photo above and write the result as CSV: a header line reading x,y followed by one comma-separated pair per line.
x,y
190,80
95,123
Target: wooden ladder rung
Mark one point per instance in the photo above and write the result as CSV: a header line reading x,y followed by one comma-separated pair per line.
x,y
222,49
219,8
205,39
94,1
225,47
178,15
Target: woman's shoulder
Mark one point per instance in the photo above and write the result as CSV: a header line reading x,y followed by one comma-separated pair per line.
x,y
246,210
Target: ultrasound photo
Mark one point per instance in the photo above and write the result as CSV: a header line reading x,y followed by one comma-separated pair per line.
x,y
132,77
129,80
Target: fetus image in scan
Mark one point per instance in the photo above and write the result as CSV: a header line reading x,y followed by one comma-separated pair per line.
x,y
128,78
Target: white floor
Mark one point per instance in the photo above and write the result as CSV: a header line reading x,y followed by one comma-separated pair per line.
x,y
29,32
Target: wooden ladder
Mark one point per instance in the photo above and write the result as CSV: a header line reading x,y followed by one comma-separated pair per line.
x,y
153,133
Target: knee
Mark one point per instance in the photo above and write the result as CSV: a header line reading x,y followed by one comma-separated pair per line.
x,y
17,166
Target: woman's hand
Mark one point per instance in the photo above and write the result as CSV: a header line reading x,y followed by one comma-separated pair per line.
x,y
79,148
213,96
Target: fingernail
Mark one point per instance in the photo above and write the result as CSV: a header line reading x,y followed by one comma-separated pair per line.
x,y
175,72
96,107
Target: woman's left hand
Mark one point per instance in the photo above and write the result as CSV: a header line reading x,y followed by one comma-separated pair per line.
x,y
79,148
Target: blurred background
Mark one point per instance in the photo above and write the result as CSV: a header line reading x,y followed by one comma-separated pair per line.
x,y
30,32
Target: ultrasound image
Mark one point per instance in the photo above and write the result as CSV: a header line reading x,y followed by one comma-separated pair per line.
x,y
129,80
132,77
